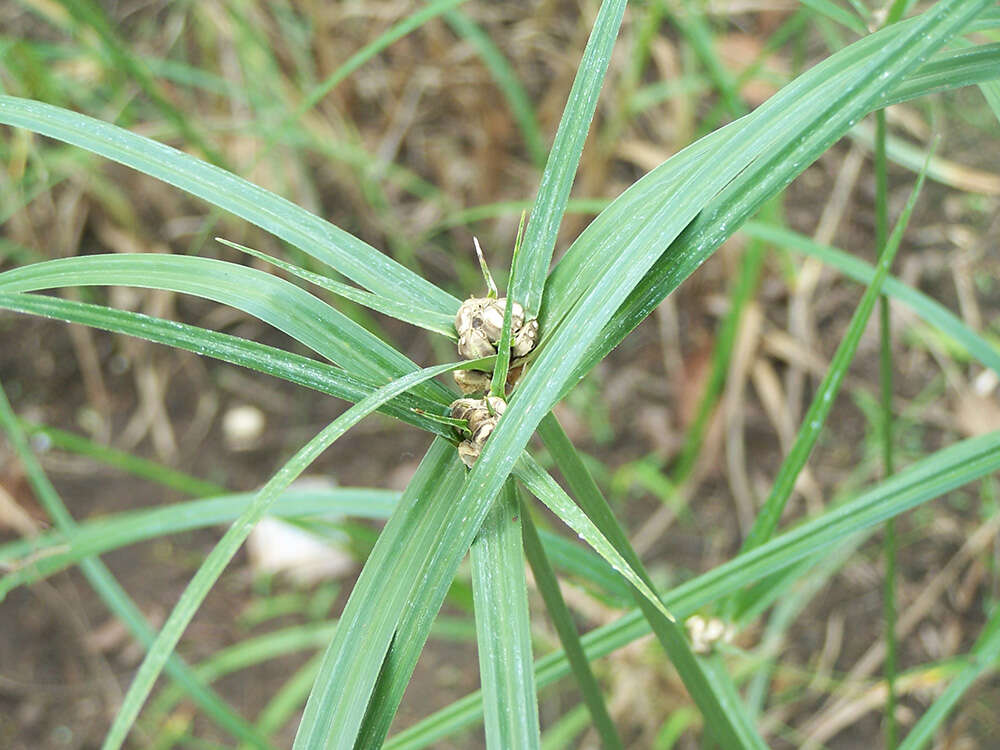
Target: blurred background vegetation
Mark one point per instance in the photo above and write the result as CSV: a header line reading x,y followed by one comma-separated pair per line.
x,y
435,133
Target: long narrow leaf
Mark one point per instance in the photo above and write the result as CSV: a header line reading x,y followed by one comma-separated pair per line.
x,y
725,718
532,264
562,619
770,514
503,630
111,592
360,650
984,658
506,80
275,301
930,310
546,489
408,313
222,553
920,482
294,368
341,251
799,140
30,560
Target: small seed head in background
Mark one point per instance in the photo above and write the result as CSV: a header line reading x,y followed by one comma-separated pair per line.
x,y
705,633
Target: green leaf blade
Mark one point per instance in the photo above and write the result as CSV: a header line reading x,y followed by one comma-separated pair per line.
x,y
210,570
503,629
532,263
325,242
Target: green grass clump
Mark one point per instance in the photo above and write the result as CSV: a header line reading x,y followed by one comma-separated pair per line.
x,y
636,251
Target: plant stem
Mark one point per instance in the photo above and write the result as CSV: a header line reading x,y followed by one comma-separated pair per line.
x,y
885,427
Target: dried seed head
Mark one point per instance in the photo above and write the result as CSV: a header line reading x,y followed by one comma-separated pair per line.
x,y
472,381
468,452
705,633
492,319
482,415
473,344
479,323
525,340
470,310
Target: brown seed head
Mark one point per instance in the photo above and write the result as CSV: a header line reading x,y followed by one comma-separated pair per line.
x,y
482,415
479,324
472,381
473,344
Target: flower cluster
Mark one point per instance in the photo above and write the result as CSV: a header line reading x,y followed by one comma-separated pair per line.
x,y
706,632
482,415
479,324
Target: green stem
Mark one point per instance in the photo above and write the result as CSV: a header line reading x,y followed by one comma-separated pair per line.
x,y
885,426
562,619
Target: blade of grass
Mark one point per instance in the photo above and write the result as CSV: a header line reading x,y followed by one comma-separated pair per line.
x,y
222,553
799,584
498,384
976,64
91,15
835,13
562,619
990,89
417,316
275,301
885,397
532,263
920,482
947,71
944,171
245,654
742,292
695,30
337,724
588,569
55,550
288,699
29,560
111,592
360,650
473,214
770,514
930,310
431,583
546,489
352,154
797,137
295,368
984,658
503,629
724,717
343,252
122,460
385,40
561,733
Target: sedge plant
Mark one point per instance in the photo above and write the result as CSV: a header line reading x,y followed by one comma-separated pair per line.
x,y
633,254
